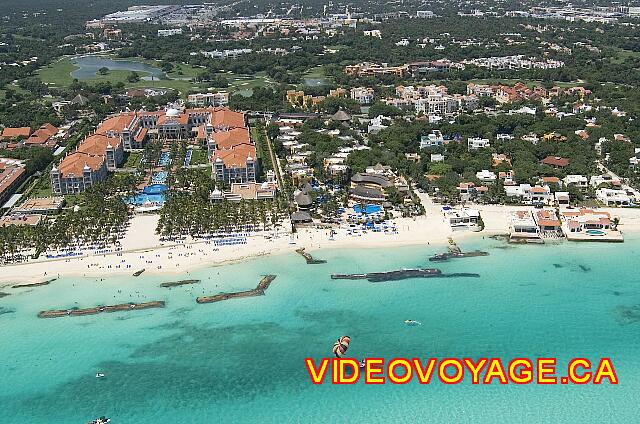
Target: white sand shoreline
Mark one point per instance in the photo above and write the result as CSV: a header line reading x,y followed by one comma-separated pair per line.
x,y
142,248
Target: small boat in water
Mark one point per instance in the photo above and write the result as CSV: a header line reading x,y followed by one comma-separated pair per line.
x,y
99,375
101,420
412,322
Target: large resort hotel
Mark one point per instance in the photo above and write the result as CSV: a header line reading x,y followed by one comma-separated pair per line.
x,y
224,132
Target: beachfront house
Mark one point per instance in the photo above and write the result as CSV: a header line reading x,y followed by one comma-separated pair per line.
x,y
462,219
548,222
589,224
522,225
611,197
530,195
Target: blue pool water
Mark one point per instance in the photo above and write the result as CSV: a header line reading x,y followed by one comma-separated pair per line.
x,y
155,189
242,360
368,209
142,198
164,159
152,193
159,177
595,232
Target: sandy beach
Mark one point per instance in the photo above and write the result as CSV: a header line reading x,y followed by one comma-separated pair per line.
x,y
143,249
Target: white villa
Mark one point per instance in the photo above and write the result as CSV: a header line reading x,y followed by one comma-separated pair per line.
x,y
434,139
486,176
478,143
611,197
463,219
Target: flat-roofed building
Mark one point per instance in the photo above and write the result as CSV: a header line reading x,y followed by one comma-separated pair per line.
x,y
523,225
41,206
20,220
12,175
220,98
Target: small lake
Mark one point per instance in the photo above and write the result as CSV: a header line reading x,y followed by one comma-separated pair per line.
x,y
89,66
315,81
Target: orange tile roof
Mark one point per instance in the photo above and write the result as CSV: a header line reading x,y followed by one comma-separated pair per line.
x,y
9,174
75,162
236,157
96,144
224,117
547,218
16,132
182,119
555,161
538,189
201,133
42,134
544,222
228,139
116,123
141,135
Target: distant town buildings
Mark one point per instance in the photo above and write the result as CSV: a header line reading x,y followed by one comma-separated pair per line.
x,y
425,14
362,95
218,99
169,32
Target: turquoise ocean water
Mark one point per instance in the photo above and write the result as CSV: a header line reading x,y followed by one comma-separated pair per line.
x,y
242,360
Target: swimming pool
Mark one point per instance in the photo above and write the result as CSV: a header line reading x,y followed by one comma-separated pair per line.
x,y
150,194
368,209
143,198
159,177
164,159
187,157
595,232
155,189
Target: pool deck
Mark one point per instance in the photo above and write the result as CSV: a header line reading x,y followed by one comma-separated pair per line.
x,y
610,236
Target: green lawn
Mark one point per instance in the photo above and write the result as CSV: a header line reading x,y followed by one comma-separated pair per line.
x,y
244,84
180,78
132,160
199,157
41,192
59,74
315,74
181,71
622,55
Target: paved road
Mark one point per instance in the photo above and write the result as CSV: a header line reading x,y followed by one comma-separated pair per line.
x,y
625,185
